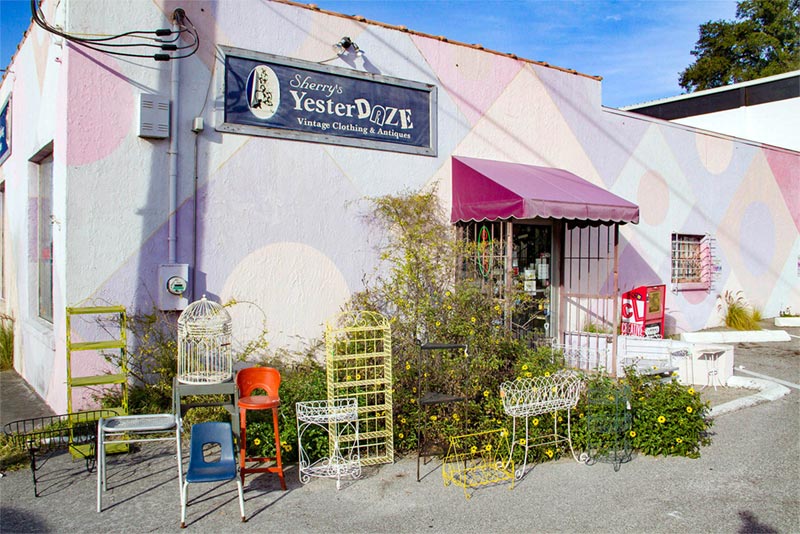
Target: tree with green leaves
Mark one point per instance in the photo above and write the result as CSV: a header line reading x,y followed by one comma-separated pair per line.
x,y
764,40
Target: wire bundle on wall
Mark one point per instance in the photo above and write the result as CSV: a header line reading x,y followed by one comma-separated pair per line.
x,y
136,42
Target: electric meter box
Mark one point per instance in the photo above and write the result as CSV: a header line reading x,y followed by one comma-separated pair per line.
x,y
173,286
643,311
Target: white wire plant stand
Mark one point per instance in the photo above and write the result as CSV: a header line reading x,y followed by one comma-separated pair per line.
x,y
339,418
541,395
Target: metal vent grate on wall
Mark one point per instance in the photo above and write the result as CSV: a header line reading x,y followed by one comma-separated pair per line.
x,y
153,116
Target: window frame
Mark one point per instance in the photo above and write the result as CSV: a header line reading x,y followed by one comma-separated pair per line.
x,y
691,261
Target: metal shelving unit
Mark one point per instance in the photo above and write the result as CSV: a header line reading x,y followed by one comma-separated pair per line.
x,y
116,340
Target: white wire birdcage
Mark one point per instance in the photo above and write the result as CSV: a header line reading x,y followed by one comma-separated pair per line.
x,y
204,344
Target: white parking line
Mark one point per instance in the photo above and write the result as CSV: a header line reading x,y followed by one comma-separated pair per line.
x,y
765,377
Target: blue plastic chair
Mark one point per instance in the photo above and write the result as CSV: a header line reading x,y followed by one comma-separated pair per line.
x,y
201,470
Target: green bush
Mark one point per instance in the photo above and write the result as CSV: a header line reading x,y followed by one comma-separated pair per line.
x,y
6,342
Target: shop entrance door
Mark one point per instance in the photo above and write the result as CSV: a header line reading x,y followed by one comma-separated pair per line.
x,y
532,266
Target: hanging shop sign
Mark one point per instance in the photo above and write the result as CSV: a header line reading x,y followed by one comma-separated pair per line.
x,y
5,131
289,98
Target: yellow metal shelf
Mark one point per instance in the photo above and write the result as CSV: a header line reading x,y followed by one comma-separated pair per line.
x,y
95,310
98,380
98,345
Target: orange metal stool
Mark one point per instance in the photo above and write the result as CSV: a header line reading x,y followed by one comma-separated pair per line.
x,y
248,380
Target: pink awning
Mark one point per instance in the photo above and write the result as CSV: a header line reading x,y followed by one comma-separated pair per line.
x,y
490,190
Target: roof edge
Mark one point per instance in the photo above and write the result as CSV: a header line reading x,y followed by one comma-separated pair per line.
x,y
358,18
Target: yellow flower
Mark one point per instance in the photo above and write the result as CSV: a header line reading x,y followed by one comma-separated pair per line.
x,y
473,449
449,307
678,440
632,433
438,323
414,389
402,420
488,447
256,441
358,376
549,453
348,377
691,391
400,435
611,398
434,418
412,400
580,415
525,367
547,373
486,393
535,422
496,307
503,433
662,419
455,417
447,293
528,374
689,409
641,399
522,441
560,420
473,319
408,366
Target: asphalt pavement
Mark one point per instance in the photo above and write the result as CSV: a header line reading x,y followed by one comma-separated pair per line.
x,y
747,480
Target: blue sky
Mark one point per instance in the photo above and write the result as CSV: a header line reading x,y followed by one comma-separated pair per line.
x,y
639,47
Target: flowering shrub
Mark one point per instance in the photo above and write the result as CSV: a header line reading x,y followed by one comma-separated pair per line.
x,y
668,419
424,299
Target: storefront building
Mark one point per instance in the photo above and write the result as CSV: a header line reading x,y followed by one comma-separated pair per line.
x,y
243,169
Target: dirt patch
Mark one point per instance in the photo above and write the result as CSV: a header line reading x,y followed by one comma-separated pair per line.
x,y
723,395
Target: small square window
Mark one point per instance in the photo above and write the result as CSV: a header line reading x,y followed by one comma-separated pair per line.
x,y
692,262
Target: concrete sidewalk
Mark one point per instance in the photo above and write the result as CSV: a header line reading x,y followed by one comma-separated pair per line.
x,y
18,400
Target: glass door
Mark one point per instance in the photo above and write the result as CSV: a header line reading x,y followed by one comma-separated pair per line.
x,y
532,267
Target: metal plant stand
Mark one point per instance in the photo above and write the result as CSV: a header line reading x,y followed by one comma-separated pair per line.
x,y
529,397
608,419
479,459
339,418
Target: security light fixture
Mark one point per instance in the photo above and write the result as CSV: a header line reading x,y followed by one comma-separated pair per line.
x,y
347,45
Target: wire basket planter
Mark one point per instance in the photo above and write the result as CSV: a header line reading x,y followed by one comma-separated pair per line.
x,y
338,417
479,459
43,436
609,421
539,395
204,344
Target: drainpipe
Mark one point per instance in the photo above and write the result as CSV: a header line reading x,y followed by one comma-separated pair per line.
x,y
172,233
